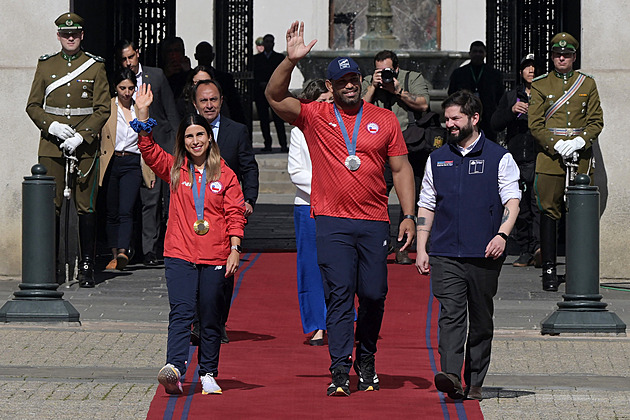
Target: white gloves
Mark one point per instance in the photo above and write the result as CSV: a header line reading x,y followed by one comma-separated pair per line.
x,y
71,144
566,147
62,131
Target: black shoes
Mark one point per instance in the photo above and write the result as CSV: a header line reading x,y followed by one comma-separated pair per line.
x,y
524,260
450,385
368,380
86,274
402,257
150,259
224,337
340,385
549,278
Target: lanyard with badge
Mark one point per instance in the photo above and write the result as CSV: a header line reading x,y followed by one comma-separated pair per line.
x,y
352,161
201,226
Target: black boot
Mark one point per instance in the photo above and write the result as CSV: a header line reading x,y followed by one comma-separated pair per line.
x,y
548,228
87,241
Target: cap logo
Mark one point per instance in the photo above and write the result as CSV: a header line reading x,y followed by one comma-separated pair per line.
x,y
562,43
344,64
69,22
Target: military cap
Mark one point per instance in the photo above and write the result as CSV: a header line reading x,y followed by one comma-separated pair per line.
x,y
69,22
259,40
564,43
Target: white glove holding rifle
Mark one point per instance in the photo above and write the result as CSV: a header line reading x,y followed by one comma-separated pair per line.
x,y
61,131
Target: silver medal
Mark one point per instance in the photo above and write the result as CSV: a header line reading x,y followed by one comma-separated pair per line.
x,y
353,162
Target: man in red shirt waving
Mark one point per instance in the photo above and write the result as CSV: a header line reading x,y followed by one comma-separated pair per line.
x,y
349,142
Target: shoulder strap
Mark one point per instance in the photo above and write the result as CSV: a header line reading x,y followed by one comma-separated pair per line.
x,y
62,81
561,101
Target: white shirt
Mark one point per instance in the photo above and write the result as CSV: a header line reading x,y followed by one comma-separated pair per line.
x,y
300,168
508,179
126,138
138,80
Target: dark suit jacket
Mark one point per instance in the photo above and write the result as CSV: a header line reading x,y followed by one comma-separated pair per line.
x,y
163,109
263,69
489,86
237,152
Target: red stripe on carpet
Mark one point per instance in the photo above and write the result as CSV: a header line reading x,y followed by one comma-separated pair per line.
x,y
268,372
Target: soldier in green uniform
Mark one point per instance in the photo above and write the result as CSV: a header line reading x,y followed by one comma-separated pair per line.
x,y
565,117
69,102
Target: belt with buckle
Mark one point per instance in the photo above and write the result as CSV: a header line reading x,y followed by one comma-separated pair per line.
x,y
68,111
567,131
117,153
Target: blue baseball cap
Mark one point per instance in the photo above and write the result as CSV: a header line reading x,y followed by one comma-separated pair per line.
x,y
341,66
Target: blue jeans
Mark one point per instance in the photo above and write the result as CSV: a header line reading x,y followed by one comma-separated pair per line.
x,y
187,282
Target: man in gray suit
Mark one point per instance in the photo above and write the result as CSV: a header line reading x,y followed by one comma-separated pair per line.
x,y
164,111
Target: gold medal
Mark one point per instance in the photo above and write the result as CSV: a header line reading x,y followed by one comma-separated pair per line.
x,y
201,227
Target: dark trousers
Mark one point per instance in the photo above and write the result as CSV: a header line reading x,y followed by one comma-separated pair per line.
x,y
155,203
191,285
527,227
263,108
352,257
122,185
465,288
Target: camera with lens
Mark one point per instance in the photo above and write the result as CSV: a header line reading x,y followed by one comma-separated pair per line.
x,y
388,75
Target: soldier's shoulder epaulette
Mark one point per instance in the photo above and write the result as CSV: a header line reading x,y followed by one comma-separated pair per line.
x,y
95,57
542,76
47,56
585,74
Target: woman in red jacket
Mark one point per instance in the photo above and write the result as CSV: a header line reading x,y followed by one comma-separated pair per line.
x,y
203,238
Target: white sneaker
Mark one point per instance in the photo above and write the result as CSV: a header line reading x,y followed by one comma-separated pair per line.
x,y
209,385
169,376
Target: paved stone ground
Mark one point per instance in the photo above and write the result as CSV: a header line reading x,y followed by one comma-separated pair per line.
x,y
106,367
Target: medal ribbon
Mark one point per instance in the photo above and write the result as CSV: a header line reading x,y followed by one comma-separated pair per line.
x,y
199,195
351,146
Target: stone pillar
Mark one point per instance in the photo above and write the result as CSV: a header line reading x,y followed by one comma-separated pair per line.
x,y
379,35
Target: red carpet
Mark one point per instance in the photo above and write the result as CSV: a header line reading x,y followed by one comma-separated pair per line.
x,y
268,372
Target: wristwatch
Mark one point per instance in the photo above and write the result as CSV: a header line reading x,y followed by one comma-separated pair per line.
x,y
237,248
503,235
412,217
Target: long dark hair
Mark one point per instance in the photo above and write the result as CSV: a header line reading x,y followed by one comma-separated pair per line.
x,y
188,88
213,160
314,90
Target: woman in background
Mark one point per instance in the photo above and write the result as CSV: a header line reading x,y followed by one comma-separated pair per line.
x,y
121,168
310,286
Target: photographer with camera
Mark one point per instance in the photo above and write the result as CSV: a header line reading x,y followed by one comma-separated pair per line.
x,y
511,113
406,94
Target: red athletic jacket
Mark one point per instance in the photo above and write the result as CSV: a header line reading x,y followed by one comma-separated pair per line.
x,y
223,209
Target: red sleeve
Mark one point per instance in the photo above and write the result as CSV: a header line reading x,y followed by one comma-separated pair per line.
x,y
233,204
155,157
397,145
305,112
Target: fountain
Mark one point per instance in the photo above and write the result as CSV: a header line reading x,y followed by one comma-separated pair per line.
x,y
435,66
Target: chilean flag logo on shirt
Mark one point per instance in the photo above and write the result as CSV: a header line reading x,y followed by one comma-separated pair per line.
x,y
216,187
372,128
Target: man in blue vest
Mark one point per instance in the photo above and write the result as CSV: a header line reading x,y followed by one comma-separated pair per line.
x,y
468,203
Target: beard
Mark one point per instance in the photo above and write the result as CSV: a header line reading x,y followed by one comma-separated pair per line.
x,y
343,100
464,133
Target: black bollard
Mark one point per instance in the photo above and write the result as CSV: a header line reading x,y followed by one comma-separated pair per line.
x,y
38,299
582,310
